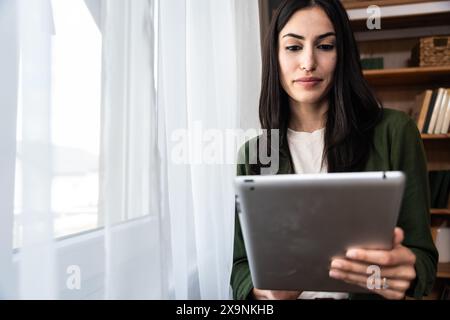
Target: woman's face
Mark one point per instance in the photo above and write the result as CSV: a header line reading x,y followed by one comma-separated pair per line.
x,y
307,56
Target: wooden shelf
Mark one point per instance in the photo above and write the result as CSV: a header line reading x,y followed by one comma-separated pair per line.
x,y
399,14
435,136
440,212
401,23
349,4
397,86
437,149
408,76
443,270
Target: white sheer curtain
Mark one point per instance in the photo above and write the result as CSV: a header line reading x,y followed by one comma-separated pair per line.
x,y
171,69
208,60
9,62
37,259
129,162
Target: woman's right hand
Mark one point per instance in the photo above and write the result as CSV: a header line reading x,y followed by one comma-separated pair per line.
x,y
259,294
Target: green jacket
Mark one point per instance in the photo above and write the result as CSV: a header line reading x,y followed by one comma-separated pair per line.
x,y
397,146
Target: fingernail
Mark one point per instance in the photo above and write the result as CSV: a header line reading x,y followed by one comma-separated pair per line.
x,y
336,264
334,274
352,254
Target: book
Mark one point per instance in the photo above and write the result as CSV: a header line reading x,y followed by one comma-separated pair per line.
x,y
439,189
442,108
423,101
436,109
436,180
446,124
445,292
430,111
442,200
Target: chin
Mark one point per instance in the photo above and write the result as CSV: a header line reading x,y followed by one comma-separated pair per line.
x,y
308,98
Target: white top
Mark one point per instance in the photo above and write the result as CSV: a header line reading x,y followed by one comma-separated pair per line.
x,y
306,151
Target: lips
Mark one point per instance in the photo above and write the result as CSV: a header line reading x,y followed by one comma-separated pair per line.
x,y
308,79
308,83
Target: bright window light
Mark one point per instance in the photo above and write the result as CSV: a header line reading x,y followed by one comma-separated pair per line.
x,y
75,122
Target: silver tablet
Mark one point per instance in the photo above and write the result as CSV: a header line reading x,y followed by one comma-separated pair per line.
x,y
293,225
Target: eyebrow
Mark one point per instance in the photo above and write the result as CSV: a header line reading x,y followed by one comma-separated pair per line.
x,y
325,35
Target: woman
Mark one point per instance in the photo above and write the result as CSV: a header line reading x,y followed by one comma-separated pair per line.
x,y
314,92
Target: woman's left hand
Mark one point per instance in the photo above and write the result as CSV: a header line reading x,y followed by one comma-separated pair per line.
x,y
396,267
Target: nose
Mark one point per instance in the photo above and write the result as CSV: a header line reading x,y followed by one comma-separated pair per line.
x,y
307,59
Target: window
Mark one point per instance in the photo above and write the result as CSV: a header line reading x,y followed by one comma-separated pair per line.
x,y
74,123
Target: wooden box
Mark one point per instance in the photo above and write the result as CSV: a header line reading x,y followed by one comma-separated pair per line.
x,y
431,51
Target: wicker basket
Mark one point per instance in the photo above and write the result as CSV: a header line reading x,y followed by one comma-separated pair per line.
x,y
431,51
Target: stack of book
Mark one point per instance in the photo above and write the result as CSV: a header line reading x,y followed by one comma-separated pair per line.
x,y
439,188
372,63
434,111
445,292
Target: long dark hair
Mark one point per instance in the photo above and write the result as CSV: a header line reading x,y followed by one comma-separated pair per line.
x,y
353,108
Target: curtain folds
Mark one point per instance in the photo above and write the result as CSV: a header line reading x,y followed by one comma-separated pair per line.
x,y
202,54
37,254
128,159
177,76
9,64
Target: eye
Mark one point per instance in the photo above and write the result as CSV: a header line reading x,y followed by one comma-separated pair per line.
x,y
293,48
326,47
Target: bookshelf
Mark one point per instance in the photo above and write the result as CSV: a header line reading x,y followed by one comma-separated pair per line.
x,y
440,212
358,4
398,84
408,76
444,270
435,136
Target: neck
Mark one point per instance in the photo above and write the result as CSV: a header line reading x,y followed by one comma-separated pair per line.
x,y
307,117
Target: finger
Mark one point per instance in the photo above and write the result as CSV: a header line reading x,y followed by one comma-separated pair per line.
x,y
399,236
392,284
398,256
386,293
397,272
390,294
350,266
283,295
